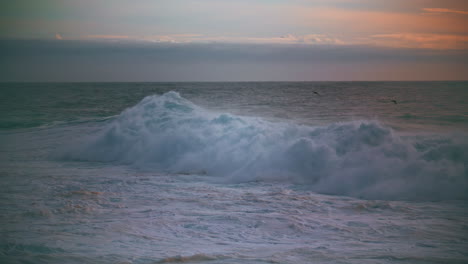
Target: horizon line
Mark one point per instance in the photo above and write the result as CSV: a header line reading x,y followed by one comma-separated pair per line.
x,y
245,81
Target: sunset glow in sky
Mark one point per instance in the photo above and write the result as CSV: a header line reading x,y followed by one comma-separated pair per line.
x,y
292,40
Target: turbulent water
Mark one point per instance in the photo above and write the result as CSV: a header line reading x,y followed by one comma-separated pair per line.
x,y
315,172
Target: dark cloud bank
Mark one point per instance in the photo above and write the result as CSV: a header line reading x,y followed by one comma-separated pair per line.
x,y
47,60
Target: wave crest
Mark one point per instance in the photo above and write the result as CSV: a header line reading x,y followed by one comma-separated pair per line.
x,y
362,159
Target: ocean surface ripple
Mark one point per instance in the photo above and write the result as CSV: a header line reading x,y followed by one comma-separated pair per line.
x,y
223,173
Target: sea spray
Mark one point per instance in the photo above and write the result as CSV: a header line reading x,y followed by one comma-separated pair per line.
x,y
167,133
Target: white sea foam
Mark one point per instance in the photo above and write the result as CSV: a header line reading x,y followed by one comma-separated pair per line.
x,y
361,159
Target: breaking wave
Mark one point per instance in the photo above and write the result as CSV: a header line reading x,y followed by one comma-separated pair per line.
x,y
361,159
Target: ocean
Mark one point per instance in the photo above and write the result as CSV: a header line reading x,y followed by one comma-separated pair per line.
x,y
247,172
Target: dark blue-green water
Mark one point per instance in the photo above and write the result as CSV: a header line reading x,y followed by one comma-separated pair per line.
x,y
441,105
274,172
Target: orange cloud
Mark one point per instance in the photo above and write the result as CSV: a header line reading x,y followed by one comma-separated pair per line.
x,y
393,40
444,10
360,23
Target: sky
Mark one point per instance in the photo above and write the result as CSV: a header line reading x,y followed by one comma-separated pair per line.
x,y
233,40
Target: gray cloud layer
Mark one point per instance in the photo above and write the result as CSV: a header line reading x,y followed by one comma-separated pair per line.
x,y
42,60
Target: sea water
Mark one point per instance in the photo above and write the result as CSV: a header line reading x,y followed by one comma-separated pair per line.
x,y
309,172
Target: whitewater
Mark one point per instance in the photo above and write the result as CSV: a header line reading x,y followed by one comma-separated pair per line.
x,y
234,172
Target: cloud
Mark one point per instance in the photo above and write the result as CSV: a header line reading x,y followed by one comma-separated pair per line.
x,y
317,39
328,22
173,38
107,37
311,39
393,40
445,10
422,41
77,60
359,23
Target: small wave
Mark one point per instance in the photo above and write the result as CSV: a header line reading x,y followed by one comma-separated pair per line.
x,y
185,259
9,249
34,125
410,116
361,159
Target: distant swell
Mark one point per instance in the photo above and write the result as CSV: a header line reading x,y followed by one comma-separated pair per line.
x,y
362,159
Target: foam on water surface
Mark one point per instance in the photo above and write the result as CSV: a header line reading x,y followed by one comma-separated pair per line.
x,y
360,158
177,179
